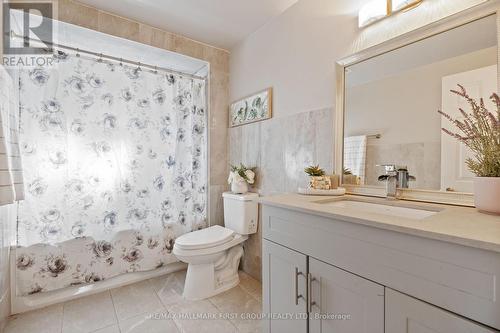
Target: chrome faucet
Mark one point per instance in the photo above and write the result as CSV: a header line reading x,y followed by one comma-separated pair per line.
x,y
391,180
395,177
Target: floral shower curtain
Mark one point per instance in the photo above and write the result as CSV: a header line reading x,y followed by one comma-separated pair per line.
x,y
115,161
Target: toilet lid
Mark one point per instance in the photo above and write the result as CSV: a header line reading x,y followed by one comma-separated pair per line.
x,y
204,238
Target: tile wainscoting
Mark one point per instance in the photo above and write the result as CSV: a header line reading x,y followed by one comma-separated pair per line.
x,y
280,148
421,158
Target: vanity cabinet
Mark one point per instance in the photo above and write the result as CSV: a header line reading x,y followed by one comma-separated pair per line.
x,y
405,314
284,273
304,292
325,266
343,302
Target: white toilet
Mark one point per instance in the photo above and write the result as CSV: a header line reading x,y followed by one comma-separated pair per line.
x,y
213,254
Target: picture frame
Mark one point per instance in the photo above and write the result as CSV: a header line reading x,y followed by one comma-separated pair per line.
x,y
252,108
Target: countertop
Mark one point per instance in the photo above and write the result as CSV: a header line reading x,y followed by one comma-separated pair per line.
x,y
454,224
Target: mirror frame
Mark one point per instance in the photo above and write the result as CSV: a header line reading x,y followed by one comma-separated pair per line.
x,y
461,18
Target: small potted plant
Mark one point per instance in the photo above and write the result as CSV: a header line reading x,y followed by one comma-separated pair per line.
x,y
239,178
318,180
479,130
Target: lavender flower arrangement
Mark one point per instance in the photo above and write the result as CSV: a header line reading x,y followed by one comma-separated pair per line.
x,y
479,130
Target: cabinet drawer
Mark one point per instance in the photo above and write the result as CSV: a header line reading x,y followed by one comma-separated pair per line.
x,y
454,277
404,314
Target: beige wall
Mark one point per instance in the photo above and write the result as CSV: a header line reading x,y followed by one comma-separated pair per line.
x,y
295,53
92,18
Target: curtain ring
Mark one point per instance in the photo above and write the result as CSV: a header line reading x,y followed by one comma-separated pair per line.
x,y
77,52
121,63
156,70
100,57
139,65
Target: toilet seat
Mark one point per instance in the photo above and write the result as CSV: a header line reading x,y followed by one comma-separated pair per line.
x,y
235,240
205,238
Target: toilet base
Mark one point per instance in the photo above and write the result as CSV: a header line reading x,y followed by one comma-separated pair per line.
x,y
207,280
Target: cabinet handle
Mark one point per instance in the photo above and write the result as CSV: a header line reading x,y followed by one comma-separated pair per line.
x,y
311,303
296,295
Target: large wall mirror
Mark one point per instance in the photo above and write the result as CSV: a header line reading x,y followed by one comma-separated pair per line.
x,y
391,97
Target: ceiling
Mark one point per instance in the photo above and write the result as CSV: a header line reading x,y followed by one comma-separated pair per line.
x,y
221,23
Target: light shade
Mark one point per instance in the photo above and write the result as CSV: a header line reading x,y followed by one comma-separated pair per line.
x,y
371,12
398,5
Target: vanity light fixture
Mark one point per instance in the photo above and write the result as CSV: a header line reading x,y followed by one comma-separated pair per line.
x,y
376,10
404,5
373,11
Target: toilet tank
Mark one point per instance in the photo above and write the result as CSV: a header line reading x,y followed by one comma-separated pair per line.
x,y
241,212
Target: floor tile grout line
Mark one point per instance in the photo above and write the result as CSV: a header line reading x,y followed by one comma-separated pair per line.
x,y
220,311
62,316
161,301
106,327
158,296
114,310
179,329
164,306
138,313
254,297
246,290
248,293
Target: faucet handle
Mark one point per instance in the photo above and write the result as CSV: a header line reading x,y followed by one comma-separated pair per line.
x,y
390,169
383,177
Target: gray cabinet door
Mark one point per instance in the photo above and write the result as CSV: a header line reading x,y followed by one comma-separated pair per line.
x,y
342,302
405,314
284,289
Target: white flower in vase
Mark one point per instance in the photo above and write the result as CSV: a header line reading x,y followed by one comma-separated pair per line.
x,y
250,175
239,178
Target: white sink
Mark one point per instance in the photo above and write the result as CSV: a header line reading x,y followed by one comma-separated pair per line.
x,y
380,208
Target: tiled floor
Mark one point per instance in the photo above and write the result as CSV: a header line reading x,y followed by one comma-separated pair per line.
x,y
148,307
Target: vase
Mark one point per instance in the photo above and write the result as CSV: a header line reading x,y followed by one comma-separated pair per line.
x,y
320,182
487,194
239,187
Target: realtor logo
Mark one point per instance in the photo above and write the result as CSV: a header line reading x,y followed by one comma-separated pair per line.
x,y
27,27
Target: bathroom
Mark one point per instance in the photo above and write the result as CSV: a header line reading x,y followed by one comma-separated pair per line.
x,y
250,166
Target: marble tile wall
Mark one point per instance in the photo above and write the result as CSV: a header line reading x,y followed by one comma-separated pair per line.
x,y
280,148
76,13
423,160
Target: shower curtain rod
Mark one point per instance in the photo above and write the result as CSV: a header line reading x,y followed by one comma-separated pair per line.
x,y
110,57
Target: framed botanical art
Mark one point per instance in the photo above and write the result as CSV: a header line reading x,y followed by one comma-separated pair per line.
x,y
250,109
